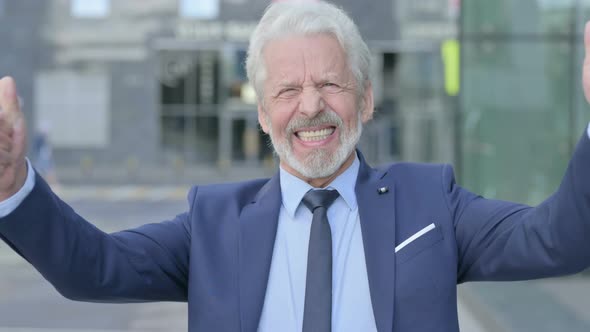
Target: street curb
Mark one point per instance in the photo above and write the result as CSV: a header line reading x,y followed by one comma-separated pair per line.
x,y
122,193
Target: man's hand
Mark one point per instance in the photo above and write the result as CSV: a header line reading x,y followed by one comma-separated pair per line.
x,y
13,140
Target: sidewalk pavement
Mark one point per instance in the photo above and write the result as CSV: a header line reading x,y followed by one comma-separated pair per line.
x,y
547,305
115,193
158,175
147,183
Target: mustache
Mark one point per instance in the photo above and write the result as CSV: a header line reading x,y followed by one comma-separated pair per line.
x,y
322,118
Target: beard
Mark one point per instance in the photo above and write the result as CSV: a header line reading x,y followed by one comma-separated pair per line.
x,y
320,162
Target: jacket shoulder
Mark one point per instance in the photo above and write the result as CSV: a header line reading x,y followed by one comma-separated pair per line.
x,y
416,171
242,192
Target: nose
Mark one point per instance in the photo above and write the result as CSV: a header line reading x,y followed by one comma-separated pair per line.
x,y
311,102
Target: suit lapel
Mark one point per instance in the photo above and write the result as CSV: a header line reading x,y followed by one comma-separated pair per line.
x,y
258,227
377,216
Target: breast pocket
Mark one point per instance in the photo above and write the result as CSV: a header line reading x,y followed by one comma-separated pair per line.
x,y
418,242
419,287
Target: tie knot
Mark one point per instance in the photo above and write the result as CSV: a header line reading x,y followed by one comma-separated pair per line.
x,y
316,198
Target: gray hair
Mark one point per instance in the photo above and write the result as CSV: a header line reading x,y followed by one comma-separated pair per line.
x,y
292,18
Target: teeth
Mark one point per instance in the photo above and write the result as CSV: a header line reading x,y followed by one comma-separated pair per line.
x,y
315,135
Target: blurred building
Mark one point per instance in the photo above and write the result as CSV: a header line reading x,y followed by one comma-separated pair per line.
x,y
522,107
160,84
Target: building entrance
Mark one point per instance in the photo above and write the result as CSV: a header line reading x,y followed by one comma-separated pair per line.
x,y
207,108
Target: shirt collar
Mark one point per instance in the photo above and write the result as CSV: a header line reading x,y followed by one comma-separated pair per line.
x,y
293,188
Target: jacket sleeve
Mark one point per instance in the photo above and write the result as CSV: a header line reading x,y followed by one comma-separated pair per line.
x,y
149,263
498,240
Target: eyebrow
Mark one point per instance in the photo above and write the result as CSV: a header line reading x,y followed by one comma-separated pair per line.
x,y
283,85
288,84
323,78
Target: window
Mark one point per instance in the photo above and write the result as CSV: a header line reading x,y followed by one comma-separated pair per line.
x,y
63,98
200,9
90,8
2,7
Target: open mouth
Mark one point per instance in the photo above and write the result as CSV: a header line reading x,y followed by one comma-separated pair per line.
x,y
315,135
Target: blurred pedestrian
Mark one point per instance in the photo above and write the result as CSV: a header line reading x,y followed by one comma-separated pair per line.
x,y
43,155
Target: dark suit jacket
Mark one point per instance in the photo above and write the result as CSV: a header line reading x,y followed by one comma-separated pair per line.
x,y
217,255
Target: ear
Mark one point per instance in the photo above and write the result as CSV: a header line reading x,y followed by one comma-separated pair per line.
x,y
369,103
262,119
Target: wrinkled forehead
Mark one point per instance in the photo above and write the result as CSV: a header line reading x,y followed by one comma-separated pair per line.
x,y
317,56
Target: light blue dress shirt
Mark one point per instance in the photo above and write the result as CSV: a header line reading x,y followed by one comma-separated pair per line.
x,y
285,294
10,204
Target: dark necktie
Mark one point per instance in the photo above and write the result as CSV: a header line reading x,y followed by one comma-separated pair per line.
x,y
317,313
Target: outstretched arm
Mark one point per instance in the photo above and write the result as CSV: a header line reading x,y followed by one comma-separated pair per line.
x,y
83,263
149,263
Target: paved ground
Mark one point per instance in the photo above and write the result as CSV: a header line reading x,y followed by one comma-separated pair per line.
x,y
550,305
29,304
125,193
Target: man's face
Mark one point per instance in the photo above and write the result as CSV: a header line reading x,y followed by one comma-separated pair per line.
x,y
311,108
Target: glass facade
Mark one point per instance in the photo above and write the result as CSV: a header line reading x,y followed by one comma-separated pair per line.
x,y
208,110
522,107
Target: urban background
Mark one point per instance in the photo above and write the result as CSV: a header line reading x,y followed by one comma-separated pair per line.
x,y
153,93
